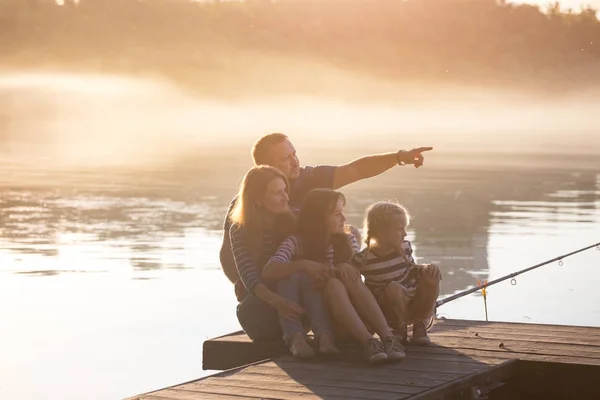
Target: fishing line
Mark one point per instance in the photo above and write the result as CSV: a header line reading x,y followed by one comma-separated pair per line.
x,y
513,275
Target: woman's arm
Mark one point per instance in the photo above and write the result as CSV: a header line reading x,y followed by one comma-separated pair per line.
x,y
244,261
251,279
282,264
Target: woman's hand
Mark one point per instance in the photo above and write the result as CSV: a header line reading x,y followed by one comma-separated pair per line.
x,y
430,272
287,308
348,272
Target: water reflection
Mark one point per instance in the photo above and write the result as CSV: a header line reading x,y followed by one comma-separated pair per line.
x,y
113,272
173,221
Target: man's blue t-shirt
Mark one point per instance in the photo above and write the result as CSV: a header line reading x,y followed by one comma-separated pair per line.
x,y
309,178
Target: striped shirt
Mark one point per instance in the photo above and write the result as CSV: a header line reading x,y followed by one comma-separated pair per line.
x,y
248,269
319,176
379,271
291,250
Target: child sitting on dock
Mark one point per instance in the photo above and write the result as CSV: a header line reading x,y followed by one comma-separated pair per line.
x,y
320,222
406,291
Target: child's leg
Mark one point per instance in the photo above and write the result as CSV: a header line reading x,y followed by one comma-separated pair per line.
x,y
367,307
395,301
423,304
293,331
421,309
342,309
369,310
312,300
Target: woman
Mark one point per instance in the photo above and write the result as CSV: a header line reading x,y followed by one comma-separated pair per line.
x,y
321,222
261,219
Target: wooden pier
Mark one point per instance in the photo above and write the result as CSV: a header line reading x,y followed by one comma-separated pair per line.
x,y
467,360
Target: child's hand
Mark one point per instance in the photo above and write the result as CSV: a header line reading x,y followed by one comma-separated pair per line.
x,y
348,272
430,272
317,271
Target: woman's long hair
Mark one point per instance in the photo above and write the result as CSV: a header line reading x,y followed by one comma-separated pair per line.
x,y
248,215
311,225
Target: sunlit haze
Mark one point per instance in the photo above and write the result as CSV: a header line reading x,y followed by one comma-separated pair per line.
x,y
93,119
126,128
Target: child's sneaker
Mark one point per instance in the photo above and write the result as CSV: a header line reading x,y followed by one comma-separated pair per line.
x,y
374,351
419,335
400,334
393,348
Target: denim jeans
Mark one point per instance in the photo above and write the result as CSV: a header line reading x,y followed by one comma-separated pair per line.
x,y
299,288
261,321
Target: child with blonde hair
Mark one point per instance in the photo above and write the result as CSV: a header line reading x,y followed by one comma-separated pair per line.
x,y
405,291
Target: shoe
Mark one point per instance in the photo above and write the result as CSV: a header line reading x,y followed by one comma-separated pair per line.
x,y
393,348
401,334
299,348
419,335
327,344
374,351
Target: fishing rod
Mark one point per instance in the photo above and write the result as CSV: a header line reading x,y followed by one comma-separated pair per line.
x,y
513,281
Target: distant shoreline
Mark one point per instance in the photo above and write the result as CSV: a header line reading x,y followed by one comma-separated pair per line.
x,y
347,49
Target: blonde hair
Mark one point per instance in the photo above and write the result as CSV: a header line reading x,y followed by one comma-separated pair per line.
x,y
377,215
245,213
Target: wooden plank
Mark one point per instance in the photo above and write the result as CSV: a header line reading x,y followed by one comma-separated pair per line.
x,y
203,389
519,326
321,380
518,347
496,373
451,355
433,352
174,394
290,386
557,337
518,337
408,378
407,364
380,370
224,353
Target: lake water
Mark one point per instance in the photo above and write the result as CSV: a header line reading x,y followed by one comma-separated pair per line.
x,y
109,272
110,282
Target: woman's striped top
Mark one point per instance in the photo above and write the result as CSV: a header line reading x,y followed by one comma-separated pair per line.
x,y
249,269
291,250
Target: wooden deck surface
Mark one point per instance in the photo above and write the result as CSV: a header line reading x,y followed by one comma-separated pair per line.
x,y
464,354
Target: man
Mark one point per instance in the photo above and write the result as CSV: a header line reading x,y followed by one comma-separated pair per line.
x,y
277,150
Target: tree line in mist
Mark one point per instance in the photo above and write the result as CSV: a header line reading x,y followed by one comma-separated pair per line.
x,y
473,41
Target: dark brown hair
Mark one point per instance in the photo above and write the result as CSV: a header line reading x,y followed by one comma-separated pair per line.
x,y
312,229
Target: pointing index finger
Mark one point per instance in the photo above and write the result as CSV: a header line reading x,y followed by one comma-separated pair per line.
x,y
422,149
